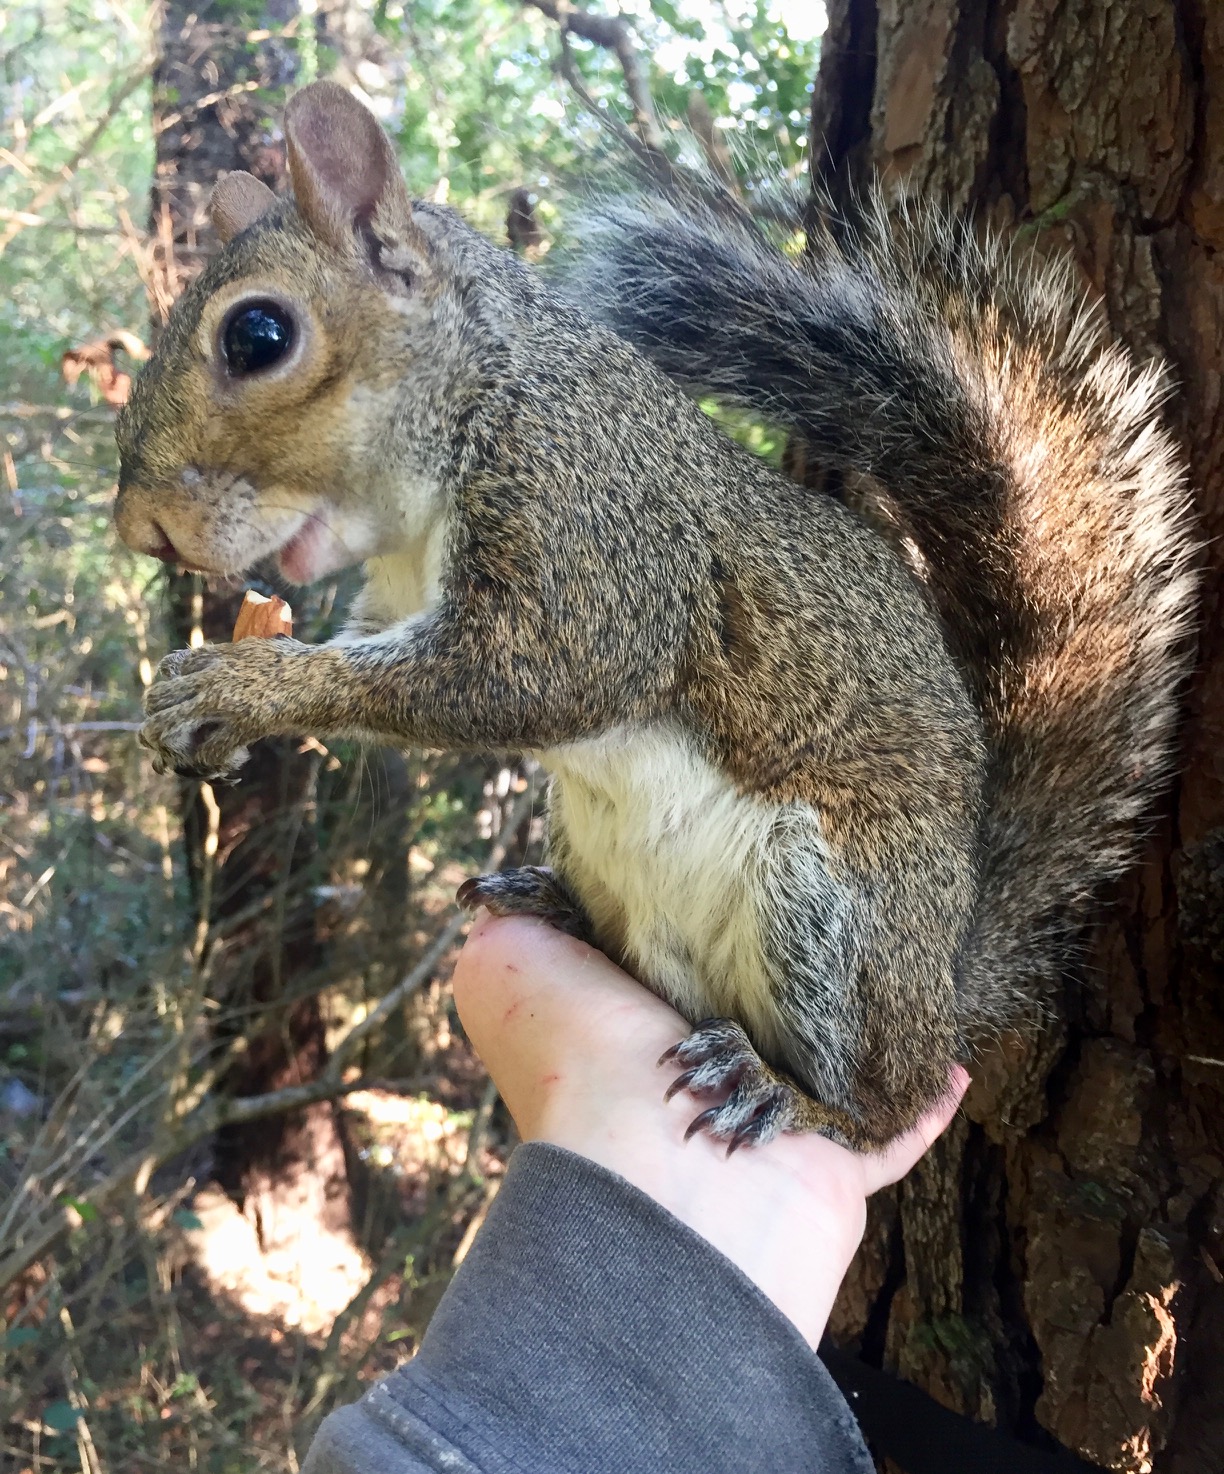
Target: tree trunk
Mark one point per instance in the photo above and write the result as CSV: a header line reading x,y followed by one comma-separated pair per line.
x,y
214,100
1057,1263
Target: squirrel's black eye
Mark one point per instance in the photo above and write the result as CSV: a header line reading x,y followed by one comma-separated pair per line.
x,y
258,335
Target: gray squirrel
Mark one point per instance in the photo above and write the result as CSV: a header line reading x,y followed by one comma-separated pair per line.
x,y
836,788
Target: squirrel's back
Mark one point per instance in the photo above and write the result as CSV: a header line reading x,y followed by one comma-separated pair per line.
x,y
1020,461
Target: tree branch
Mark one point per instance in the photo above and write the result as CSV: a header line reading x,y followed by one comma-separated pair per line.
x,y
613,33
653,159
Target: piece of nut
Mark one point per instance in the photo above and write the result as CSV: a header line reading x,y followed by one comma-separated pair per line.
x,y
261,618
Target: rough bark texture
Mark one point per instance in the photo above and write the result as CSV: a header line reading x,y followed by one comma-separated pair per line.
x,y
1055,1266
217,85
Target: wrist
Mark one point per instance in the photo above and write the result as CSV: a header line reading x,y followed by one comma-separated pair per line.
x,y
789,1228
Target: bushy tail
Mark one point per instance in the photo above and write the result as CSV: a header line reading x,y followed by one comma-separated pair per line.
x,y
1026,470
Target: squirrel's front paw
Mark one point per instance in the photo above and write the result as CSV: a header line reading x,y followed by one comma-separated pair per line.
x,y
205,706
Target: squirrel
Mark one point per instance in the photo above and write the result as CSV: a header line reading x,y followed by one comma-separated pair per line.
x,y
836,787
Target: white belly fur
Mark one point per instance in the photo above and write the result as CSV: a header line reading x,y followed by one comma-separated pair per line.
x,y
674,865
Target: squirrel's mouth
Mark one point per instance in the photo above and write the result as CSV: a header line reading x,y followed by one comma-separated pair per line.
x,y
298,557
324,543
162,547
306,543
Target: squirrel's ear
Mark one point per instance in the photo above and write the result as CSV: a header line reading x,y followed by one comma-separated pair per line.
x,y
341,162
238,200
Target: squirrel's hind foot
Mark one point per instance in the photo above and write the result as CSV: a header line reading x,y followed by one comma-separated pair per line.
x,y
760,1103
531,890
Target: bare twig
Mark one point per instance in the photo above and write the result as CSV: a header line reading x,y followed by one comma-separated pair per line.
x,y
327,1363
209,99
653,158
68,729
713,144
461,1188
64,174
18,409
26,219
133,1174
614,34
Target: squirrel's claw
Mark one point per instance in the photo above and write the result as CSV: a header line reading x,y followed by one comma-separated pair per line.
x,y
208,750
759,1104
203,709
530,890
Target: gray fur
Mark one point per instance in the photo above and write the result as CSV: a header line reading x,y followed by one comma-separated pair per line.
x,y
1025,456
794,787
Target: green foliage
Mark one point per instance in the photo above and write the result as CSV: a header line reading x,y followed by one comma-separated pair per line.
x,y
762,440
483,107
755,77
73,74
60,1416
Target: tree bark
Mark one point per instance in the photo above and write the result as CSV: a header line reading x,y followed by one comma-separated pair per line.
x,y
1056,1266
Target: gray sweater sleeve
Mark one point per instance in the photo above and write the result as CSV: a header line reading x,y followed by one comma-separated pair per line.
x,y
589,1331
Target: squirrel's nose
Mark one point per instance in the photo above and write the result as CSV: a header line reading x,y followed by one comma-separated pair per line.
x,y
142,533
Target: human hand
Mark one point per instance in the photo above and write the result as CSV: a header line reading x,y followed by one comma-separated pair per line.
x,y
572,1043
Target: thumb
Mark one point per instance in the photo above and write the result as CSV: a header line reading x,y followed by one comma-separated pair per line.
x,y
882,1169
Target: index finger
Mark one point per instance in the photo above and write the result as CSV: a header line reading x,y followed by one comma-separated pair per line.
x,y
537,1004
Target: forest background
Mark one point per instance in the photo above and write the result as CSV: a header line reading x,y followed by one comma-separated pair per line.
x,y
243,1143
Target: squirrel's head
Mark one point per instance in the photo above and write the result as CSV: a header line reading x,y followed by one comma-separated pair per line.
x,y
297,399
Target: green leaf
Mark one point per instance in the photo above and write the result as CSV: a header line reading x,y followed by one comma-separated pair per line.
x,y
666,11
185,1384
60,1417
87,1210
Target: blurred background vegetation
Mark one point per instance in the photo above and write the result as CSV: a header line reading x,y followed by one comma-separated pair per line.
x,y
242,1140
